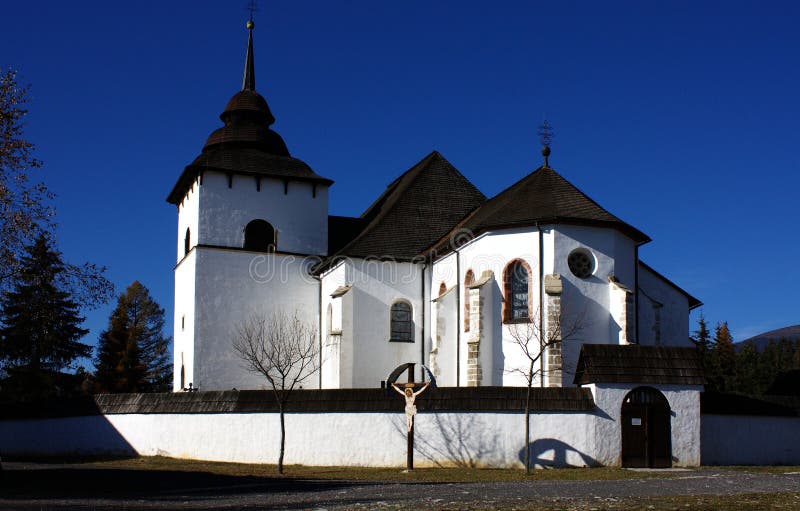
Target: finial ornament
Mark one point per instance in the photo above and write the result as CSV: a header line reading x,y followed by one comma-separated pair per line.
x,y
546,137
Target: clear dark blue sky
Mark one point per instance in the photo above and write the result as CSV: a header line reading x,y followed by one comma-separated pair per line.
x,y
681,118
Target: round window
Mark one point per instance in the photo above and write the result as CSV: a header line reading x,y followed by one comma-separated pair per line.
x,y
581,263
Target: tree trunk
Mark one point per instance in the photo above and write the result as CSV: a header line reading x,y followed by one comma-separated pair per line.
x,y
528,429
283,442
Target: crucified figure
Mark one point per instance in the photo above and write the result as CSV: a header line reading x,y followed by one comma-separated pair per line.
x,y
411,396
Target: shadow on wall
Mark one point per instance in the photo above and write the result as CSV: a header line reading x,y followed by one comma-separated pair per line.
x,y
454,439
73,427
550,452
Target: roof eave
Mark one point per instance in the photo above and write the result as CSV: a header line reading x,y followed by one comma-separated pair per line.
x,y
190,172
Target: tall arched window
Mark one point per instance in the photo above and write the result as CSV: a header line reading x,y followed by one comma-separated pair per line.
x,y
259,235
517,290
187,242
402,323
442,288
469,278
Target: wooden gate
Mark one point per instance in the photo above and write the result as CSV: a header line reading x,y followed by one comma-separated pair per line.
x,y
646,429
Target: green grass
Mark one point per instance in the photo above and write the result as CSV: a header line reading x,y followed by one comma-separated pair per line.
x,y
445,475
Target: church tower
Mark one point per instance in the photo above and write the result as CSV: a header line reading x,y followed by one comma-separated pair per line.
x,y
251,220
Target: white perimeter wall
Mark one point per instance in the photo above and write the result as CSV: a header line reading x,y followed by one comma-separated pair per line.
x,y
684,403
750,440
345,439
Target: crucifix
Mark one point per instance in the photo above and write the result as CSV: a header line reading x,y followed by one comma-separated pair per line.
x,y
408,392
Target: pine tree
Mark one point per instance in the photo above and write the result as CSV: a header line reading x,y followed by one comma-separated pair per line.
x,y
40,324
133,354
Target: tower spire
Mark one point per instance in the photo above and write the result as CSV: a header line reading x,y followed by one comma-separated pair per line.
x,y
249,79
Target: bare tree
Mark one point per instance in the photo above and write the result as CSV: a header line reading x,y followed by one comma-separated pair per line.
x,y
284,350
536,340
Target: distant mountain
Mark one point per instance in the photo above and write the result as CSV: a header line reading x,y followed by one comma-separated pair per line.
x,y
761,340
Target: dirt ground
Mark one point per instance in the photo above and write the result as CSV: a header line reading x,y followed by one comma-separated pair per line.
x,y
175,484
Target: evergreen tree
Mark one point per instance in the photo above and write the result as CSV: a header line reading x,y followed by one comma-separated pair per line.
x,y
722,360
40,324
702,340
747,377
133,354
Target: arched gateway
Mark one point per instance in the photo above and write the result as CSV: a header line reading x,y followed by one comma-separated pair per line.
x,y
646,429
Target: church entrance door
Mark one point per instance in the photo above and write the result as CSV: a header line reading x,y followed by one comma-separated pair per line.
x,y
646,429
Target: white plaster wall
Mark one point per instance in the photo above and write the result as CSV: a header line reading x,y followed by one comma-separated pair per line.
x,y
587,301
376,286
684,402
493,251
443,362
300,218
674,324
332,342
750,440
184,323
340,439
233,285
188,217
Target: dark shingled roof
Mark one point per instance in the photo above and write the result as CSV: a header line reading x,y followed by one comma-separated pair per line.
x,y
417,209
502,399
612,363
542,197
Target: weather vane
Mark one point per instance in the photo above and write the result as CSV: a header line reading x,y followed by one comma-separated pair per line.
x,y
546,137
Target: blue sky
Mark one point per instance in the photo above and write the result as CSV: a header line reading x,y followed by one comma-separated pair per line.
x,y
678,117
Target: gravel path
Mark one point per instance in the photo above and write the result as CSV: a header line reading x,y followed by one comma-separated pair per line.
x,y
195,492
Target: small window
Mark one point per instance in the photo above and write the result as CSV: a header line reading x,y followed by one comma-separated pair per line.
x,y
442,288
581,263
402,324
516,281
330,319
469,278
183,323
187,242
259,236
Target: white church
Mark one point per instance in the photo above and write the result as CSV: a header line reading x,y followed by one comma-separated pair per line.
x,y
432,272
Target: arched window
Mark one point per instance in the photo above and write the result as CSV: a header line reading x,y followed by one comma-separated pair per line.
x,y
259,236
187,242
469,278
402,323
442,288
516,284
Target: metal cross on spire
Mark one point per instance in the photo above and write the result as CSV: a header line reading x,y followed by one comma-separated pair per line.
x,y
252,8
546,137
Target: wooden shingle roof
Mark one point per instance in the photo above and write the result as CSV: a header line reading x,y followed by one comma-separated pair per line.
x,y
414,211
541,197
612,363
503,399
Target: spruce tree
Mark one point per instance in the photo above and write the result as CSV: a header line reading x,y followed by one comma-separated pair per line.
x,y
723,359
133,354
40,323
